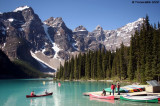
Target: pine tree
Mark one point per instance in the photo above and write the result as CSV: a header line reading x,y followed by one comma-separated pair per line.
x,y
142,53
122,63
94,66
65,69
87,66
80,65
158,52
83,65
72,69
76,68
114,67
99,65
130,71
149,37
118,63
104,64
147,25
155,52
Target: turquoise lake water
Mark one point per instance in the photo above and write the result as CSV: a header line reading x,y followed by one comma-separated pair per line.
x,y
13,93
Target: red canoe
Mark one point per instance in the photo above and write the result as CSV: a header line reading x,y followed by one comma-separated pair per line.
x,y
101,97
29,96
103,100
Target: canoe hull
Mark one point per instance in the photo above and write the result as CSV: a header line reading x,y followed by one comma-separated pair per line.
x,y
29,96
139,100
101,97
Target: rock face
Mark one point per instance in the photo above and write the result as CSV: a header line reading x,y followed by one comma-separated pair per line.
x,y
22,31
79,35
24,36
114,38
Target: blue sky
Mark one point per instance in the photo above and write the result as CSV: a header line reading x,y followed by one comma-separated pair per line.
x,y
110,14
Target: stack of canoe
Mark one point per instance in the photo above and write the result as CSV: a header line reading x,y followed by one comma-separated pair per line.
x,y
127,89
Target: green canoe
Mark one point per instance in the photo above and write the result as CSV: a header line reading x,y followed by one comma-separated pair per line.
x,y
148,99
109,90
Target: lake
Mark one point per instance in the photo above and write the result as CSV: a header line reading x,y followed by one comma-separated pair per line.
x,y
70,93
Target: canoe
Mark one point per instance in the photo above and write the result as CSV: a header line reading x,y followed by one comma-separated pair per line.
x,y
116,90
29,96
142,88
101,97
128,88
102,100
138,88
149,99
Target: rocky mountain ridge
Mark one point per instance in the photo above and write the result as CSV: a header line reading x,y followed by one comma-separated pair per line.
x,y
51,42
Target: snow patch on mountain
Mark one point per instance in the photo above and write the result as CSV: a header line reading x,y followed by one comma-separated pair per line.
x,y
10,19
55,46
46,31
74,45
40,61
56,49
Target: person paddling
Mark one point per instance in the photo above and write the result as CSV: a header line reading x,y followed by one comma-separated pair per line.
x,y
32,93
46,91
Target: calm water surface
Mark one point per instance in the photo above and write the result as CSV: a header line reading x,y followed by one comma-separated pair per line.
x,y
13,93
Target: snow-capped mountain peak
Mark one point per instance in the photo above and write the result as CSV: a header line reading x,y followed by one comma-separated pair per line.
x,y
131,26
21,8
115,37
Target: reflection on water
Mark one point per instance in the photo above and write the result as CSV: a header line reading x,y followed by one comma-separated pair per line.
x,y
103,100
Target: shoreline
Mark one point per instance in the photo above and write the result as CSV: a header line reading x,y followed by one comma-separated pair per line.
x,y
112,81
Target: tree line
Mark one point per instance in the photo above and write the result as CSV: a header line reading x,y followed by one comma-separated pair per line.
x,y
140,61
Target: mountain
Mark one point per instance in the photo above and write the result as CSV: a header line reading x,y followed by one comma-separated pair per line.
x,y
47,44
21,31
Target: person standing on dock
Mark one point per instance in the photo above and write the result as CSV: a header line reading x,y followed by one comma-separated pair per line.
x,y
118,87
112,88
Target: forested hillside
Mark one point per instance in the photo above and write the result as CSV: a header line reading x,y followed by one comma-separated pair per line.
x,y
16,69
140,61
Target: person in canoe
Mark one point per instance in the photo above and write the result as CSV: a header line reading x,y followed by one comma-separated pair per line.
x,y
103,93
112,88
118,87
32,93
46,91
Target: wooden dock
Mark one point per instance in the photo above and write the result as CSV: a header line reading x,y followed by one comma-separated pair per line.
x,y
116,96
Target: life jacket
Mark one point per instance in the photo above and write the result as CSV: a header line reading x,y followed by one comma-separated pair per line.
x,y
32,93
112,87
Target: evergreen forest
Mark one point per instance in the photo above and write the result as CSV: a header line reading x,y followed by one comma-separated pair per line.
x,y
139,62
